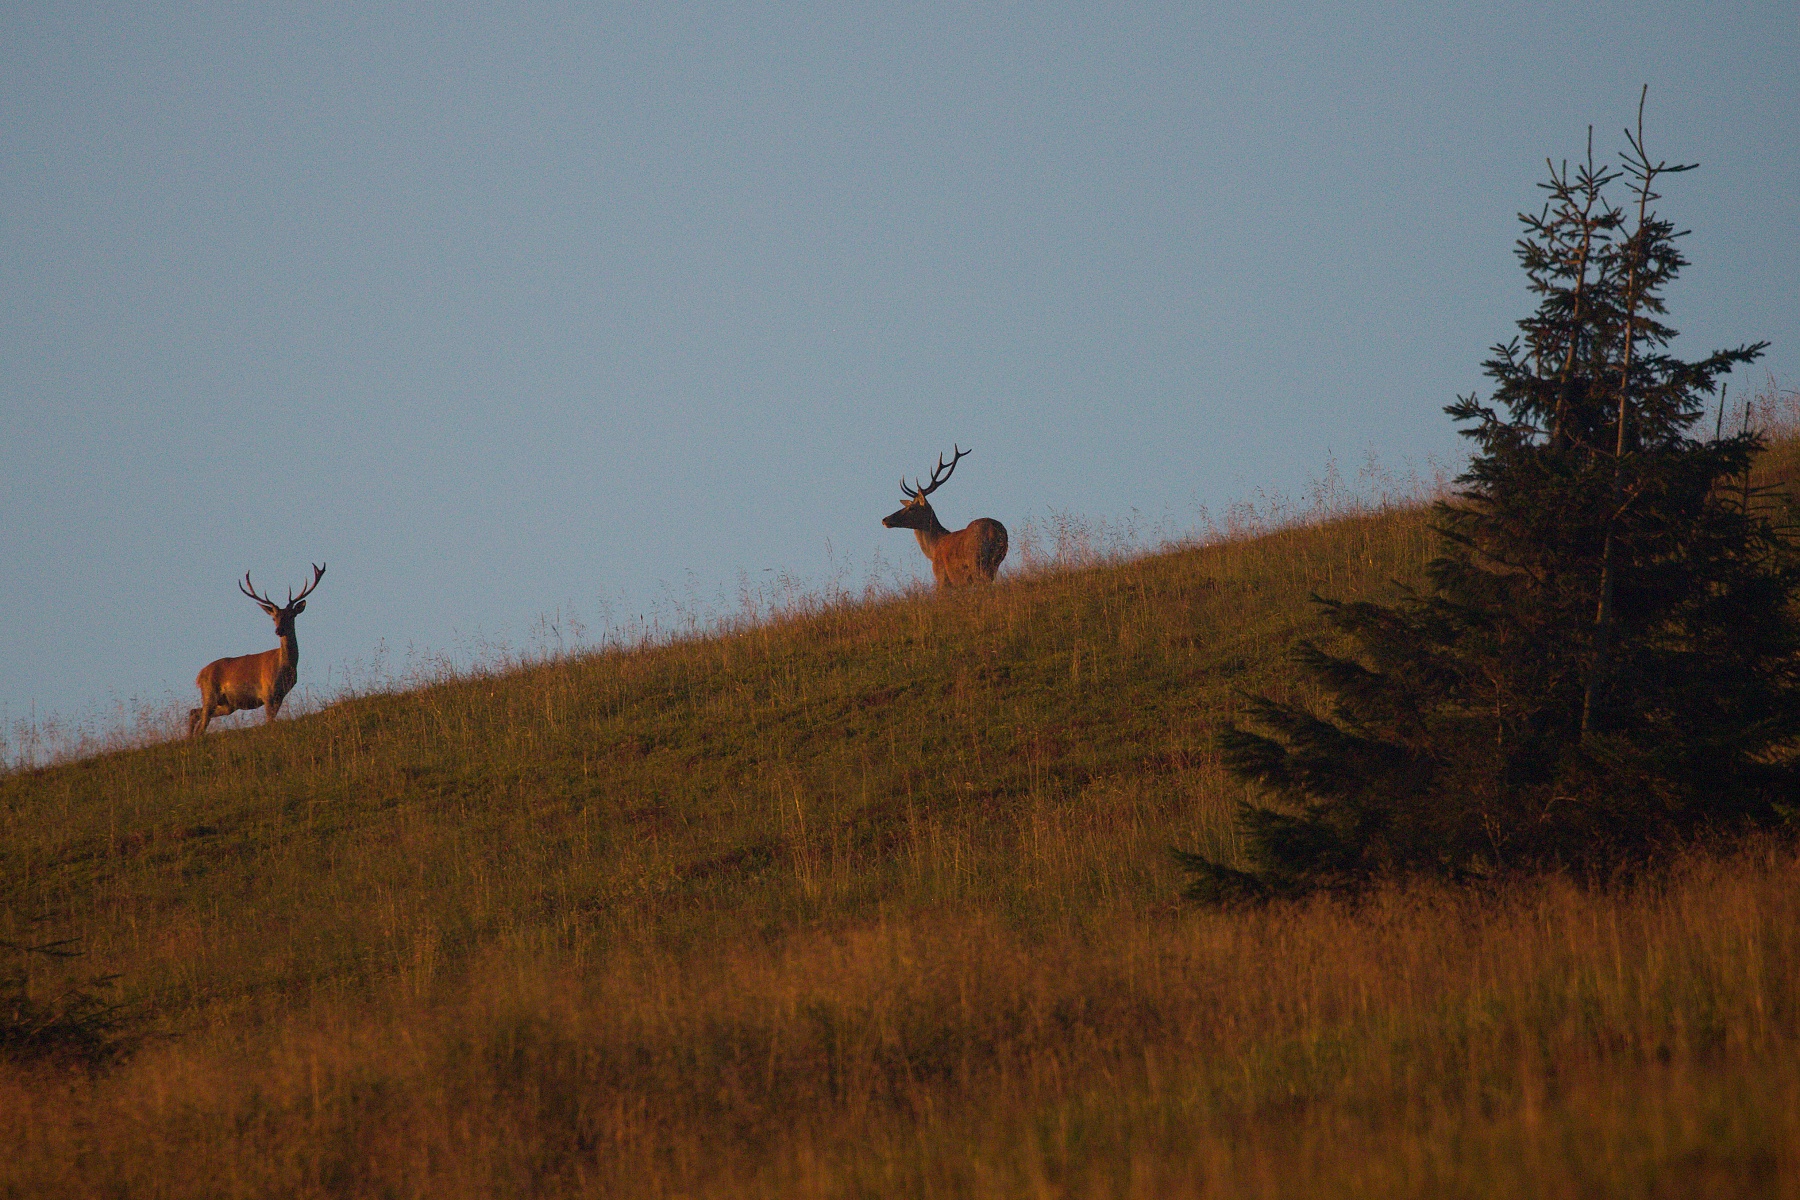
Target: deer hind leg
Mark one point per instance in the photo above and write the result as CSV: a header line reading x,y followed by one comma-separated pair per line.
x,y
993,550
200,718
213,703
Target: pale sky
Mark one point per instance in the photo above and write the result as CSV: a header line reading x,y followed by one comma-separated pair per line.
x,y
505,311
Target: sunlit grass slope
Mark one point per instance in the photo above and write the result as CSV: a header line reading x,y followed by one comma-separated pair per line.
x,y
874,899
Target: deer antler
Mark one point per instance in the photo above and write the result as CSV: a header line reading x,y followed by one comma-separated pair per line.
x,y
940,474
249,589
318,574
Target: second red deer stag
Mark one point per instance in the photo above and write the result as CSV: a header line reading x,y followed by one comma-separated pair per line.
x,y
969,555
263,681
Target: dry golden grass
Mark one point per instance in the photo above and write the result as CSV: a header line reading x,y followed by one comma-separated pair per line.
x,y
873,899
1547,1042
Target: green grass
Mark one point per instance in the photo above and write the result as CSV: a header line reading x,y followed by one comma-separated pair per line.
x,y
870,899
820,768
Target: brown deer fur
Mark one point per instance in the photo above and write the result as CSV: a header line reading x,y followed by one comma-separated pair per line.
x,y
969,555
263,681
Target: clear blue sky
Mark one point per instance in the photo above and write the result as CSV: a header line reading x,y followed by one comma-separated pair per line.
x,y
505,309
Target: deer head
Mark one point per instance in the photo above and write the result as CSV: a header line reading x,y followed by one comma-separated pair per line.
x,y
916,512
283,614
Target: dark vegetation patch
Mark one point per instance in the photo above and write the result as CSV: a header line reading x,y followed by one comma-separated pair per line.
x,y
78,1022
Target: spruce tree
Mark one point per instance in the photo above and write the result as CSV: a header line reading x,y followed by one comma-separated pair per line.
x,y
1603,661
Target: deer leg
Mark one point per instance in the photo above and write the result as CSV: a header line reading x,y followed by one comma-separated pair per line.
x,y
200,718
270,709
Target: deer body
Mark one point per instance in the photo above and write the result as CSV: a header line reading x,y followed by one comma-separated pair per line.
x,y
958,557
229,685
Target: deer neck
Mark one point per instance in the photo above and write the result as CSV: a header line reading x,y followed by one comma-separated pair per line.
x,y
932,532
289,650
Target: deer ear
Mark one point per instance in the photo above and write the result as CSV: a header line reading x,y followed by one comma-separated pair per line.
x,y
300,608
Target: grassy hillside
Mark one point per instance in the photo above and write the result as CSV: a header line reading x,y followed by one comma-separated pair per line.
x,y
873,900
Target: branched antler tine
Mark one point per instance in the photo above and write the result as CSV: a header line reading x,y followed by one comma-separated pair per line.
x,y
940,474
910,492
249,589
318,574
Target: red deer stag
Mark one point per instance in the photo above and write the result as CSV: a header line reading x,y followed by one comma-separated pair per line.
x,y
254,680
969,555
